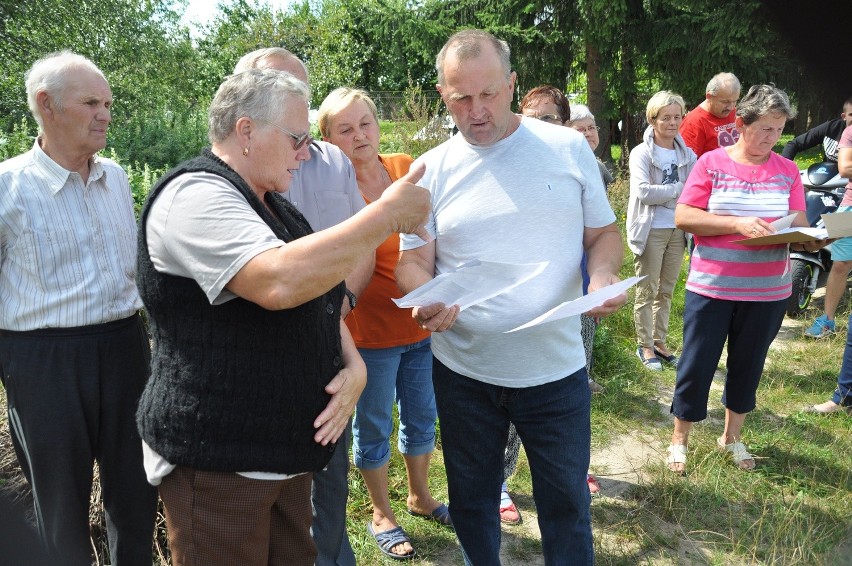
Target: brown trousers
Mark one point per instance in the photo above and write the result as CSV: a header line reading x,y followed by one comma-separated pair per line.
x,y
224,519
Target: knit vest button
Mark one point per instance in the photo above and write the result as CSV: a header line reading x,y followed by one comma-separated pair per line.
x,y
329,308
336,361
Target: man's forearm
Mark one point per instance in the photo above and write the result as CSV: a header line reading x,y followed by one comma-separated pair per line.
x,y
416,267
411,277
606,253
361,275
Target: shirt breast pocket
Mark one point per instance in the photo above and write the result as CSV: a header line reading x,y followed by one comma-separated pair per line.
x,y
334,207
53,258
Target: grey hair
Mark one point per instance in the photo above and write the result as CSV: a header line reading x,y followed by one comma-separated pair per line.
x,y
662,99
723,81
259,94
251,60
581,112
468,44
49,74
762,100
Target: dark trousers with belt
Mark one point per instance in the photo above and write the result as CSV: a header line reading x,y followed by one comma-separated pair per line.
x,y
71,399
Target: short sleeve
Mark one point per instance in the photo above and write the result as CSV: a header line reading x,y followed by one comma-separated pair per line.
x,y
846,138
201,227
697,188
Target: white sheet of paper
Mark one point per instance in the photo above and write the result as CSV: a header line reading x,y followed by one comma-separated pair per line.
x,y
784,222
472,283
583,304
818,233
838,224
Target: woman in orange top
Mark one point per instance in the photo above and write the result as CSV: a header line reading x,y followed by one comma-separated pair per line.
x,y
395,349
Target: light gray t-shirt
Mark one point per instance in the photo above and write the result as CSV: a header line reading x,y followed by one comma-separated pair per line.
x,y
667,158
202,228
524,199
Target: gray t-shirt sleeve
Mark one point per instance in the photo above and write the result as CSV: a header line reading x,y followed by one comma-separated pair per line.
x,y
202,228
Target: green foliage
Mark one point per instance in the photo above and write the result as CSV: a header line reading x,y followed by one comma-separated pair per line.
x,y
137,43
17,141
142,179
160,139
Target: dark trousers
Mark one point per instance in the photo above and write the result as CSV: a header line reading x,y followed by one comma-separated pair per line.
x,y
72,396
225,519
553,422
329,493
843,393
748,326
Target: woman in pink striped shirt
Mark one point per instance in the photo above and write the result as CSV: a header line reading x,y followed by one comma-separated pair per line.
x,y
735,292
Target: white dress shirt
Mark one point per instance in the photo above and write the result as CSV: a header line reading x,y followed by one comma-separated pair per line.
x,y
67,248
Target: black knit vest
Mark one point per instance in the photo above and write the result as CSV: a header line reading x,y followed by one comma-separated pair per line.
x,y
235,387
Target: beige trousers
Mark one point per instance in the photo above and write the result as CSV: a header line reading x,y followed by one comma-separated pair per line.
x,y
660,262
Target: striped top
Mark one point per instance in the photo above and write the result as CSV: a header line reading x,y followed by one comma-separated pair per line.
x,y
720,268
67,248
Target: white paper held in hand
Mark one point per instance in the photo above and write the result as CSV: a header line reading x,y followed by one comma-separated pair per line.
x,y
583,304
471,283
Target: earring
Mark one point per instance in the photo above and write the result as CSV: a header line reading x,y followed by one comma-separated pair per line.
x,y
245,151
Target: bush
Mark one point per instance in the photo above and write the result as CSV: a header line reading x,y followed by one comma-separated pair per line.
x,y
18,141
160,140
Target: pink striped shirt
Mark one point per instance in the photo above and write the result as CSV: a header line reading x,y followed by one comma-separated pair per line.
x,y
721,268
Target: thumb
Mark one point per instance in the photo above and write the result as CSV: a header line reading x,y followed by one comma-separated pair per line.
x,y
423,234
415,173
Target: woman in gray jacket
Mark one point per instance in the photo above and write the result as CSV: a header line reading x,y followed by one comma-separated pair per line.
x,y
658,168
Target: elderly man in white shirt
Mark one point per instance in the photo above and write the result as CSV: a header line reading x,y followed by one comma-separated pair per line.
x,y
74,354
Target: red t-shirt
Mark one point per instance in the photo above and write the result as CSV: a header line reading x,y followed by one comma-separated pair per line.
x,y
703,132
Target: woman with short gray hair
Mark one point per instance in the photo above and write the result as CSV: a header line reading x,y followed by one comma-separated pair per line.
x,y
249,349
735,293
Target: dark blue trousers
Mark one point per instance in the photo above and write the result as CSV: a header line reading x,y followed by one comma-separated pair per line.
x,y
843,393
553,422
749,328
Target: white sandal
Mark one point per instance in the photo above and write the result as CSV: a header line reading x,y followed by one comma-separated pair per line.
x,y
677,455
738,452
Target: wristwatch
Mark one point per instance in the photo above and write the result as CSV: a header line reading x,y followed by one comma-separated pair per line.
x,y
353,300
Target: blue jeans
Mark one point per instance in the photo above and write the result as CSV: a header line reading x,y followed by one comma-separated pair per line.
x,y
843,393
402,374
553,423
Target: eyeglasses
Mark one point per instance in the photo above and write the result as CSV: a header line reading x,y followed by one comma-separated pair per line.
x,y
298,140
587,129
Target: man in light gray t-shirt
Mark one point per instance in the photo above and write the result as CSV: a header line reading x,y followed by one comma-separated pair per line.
x,y
516,191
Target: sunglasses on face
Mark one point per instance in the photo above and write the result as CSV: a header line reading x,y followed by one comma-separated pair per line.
x,y
298,140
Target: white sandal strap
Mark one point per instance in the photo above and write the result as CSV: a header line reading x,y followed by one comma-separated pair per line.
x,y
738,452
677,454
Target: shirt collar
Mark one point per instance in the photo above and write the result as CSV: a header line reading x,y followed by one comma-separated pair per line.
x,y
56,175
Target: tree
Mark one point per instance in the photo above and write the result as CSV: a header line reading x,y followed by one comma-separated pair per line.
x,y
112,33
